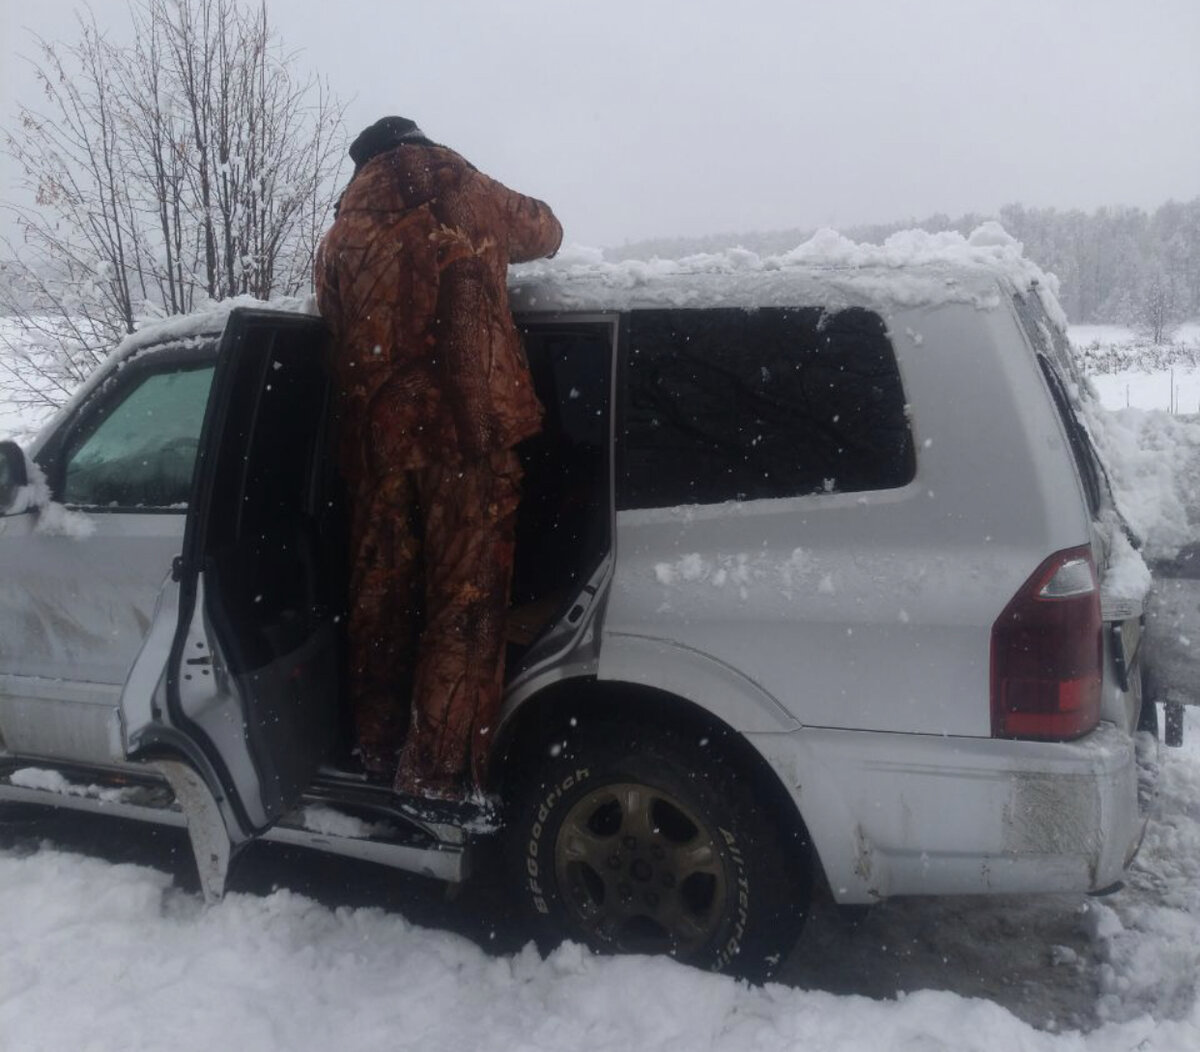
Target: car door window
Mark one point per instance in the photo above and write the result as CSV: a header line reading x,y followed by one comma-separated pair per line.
x,y
140,453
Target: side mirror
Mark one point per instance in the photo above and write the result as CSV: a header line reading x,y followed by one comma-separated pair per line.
x,y
13,478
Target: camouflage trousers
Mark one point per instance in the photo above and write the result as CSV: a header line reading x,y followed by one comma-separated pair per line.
x,y
431,568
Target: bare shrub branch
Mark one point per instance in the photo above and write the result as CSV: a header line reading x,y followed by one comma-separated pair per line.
x,y
192,165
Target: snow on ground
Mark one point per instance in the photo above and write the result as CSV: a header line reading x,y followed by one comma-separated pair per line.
x,y
1153,462
100,956
1161,389
1129,371
1148,431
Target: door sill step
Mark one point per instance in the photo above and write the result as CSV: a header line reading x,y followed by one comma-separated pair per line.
x,y
359,822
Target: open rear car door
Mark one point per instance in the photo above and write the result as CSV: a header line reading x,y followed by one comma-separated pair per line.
x,y
240,667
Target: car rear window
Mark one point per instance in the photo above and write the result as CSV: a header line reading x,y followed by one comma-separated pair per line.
x,y
731,404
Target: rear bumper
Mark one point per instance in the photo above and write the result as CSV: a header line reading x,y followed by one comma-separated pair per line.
x,y
898,814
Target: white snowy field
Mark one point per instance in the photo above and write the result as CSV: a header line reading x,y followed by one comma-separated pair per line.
x,y
1133,388
102,956
1138,375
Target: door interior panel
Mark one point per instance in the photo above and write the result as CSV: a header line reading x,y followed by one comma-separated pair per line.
x,y
270,594
564,520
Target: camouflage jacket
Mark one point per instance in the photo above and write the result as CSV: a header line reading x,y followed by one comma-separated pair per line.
x,y
412,278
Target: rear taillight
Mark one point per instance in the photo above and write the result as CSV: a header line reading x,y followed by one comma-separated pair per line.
x,y
1047,653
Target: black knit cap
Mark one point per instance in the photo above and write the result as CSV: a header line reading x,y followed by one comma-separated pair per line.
x,y
386,134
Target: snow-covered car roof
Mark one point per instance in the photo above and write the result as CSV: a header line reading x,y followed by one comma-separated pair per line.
x,y
205,323
911,269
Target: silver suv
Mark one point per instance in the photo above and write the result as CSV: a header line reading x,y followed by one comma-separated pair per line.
x,y
810,587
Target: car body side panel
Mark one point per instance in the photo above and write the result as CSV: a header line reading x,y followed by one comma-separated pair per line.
x,y
874,610
74,612
726,692
79,607
78,722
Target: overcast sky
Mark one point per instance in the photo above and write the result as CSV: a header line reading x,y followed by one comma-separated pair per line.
x,y
643,118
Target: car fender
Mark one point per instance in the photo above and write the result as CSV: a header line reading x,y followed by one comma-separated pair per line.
x,y
714,686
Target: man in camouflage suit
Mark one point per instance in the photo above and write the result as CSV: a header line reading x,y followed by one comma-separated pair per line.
x,y
434,392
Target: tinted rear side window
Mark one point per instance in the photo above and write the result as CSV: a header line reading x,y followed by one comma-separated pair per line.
x,y
741,405
1054,357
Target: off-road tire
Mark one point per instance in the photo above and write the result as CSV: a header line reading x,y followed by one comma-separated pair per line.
x,y
652,841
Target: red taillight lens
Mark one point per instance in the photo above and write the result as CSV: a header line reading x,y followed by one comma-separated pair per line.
x,y
1047,653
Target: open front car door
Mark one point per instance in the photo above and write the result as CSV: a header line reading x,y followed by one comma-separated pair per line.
x,y
233,697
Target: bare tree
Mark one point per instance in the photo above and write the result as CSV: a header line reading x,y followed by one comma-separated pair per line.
x,y
189,166
1155,308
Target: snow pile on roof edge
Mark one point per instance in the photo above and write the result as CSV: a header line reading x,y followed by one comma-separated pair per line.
x,y
208,318
911,268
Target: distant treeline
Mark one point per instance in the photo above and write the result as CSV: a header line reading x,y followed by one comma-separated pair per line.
x,y
1117,265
